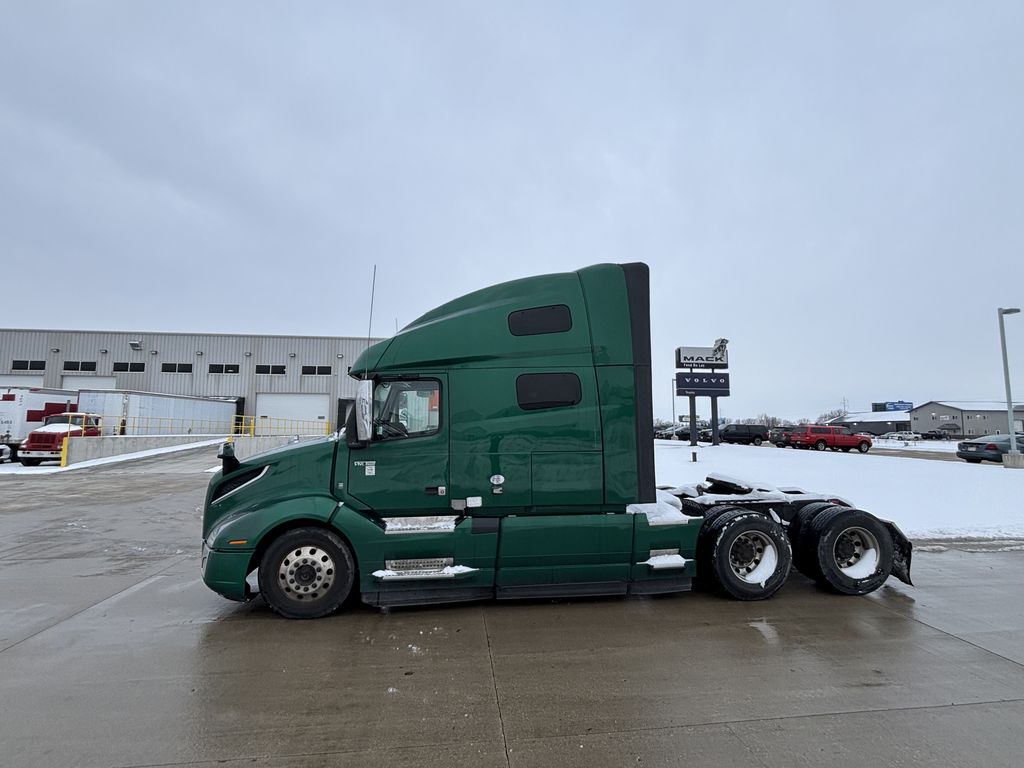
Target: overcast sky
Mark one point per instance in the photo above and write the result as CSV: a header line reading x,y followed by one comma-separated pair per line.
x,y
837,188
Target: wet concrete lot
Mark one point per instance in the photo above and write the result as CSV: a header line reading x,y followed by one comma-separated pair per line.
x,y
113,653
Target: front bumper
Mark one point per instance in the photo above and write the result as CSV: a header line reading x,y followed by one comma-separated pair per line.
x,y
225,572
37,454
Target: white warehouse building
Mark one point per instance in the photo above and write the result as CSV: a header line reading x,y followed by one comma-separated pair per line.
x,y
302,378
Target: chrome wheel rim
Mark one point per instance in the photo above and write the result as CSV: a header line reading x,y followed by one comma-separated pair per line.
x,y
856,552
305,573
753,557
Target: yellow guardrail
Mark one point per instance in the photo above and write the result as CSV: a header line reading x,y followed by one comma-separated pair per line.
x,y
257,426
237,425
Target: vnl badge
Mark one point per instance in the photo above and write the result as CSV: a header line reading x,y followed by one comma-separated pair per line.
x,y
369,467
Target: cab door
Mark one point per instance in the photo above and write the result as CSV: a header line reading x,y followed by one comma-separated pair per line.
x,y
404,467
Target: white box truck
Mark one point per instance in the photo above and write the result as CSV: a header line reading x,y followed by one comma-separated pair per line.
x,y
23,409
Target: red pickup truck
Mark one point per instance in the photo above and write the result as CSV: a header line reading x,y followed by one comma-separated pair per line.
x,y
836,438
45,442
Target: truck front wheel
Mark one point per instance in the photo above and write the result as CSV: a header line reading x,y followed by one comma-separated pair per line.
x,y
25,462
306,573
852,551
751,556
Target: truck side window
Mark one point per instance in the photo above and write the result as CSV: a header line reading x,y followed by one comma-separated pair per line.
x,y
532,322
535,391
406,408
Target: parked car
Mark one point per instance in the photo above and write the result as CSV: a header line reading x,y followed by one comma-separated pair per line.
x,y
745,434
781,435
936,434
900,436
987,448
681,432
820,437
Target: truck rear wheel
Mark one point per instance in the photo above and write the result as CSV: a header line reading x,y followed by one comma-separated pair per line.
x,y
306,573
751,556
798,529
821,445
852,551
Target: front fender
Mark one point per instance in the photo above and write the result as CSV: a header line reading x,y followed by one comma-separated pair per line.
x,y
231,545
250,526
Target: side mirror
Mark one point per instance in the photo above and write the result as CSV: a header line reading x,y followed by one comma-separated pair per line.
x,y
364,410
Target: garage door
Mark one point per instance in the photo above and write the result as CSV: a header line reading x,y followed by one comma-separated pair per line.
x,y
15,380
286,413
89,382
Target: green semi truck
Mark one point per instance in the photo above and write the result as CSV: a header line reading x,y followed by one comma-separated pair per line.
x,y
501,445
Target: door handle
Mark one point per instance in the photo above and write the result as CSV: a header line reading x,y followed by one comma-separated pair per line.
x,y
435,490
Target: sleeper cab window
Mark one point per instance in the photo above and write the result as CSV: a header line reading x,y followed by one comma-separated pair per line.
x,y
536,391
406,408
555,318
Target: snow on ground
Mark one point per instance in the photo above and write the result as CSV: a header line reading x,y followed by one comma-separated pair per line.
x,y
928,499
49,468
925,446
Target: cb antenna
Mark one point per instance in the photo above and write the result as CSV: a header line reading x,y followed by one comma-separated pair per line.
x,y
373,289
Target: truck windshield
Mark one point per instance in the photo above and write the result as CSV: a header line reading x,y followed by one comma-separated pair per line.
x,y
62,419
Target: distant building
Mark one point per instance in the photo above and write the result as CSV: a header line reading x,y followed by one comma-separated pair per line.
x,y
967,418
301,378
875,422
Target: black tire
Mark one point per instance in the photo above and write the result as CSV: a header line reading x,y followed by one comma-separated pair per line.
x,y
286,558
705,542
845,449
758,440
863,446
30,462
751,556
821,445
973,461
843,539
797,532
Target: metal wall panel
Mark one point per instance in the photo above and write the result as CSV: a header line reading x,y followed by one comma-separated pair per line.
x,y
200,350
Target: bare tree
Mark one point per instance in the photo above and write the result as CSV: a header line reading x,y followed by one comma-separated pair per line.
x,y
827,416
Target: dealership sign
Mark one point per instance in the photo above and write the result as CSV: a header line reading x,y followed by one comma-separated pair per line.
x,y
702,357
702,384
898,405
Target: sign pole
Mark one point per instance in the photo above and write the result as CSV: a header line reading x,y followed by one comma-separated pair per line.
x,y
673,405
693,420
714,421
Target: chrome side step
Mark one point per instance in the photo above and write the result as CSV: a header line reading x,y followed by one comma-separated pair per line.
x,y
427,524
423,568
664,560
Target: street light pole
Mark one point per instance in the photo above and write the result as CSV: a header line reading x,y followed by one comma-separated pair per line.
x,y
1006,379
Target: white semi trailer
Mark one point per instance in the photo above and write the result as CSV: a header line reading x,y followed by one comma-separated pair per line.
x,y
126,412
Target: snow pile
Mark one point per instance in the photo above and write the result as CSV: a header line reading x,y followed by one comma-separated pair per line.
x,y
926,498
667,510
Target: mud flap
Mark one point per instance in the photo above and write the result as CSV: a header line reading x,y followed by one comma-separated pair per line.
x,y
902,550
